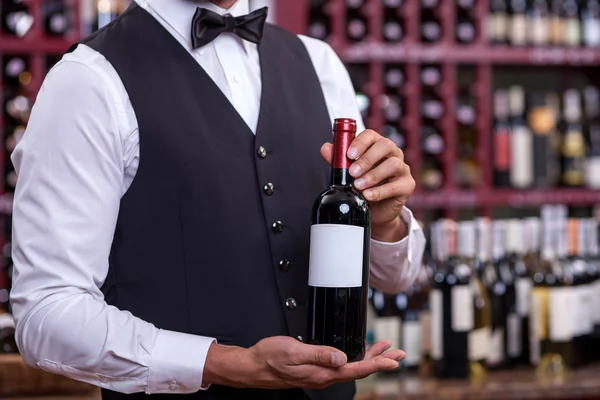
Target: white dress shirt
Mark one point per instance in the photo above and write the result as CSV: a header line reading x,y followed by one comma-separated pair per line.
x,y
77,158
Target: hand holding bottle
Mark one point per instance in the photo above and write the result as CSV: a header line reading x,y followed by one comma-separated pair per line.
x,y
383,178
283,362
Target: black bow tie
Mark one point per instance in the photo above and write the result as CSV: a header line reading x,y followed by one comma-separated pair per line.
x,y
207,25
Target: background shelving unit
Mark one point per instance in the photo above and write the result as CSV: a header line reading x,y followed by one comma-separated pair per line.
x,y
481,56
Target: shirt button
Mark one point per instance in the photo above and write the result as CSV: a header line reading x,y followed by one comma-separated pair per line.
x,y
277,227
173,386
269,188
291,303
284,265
262,152
103,380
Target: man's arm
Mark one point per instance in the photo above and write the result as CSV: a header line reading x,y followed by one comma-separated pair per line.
x,y
396,249
70,168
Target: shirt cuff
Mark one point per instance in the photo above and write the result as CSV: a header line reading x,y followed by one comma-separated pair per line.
x,y
392,266
177,363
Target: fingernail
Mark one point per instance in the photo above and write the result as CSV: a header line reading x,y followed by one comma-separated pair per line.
x,y
368,194
337,359
359,183
352,153
355,170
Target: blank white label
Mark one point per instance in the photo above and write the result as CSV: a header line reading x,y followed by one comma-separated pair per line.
x,y
462,308
479,344
6,321
513,335
581,313
388,328
596,305
436,308
523,293
411,342
336,255
561,300
521,151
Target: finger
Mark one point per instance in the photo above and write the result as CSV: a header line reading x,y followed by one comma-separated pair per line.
x,y
327,152
390,167
400,189
361,143
377,349
362,369
323,356
376,153
397,355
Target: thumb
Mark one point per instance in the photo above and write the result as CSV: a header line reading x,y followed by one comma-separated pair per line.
x,y
327,152
325,356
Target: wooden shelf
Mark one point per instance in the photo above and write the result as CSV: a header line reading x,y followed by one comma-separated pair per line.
x,y
473,54
514,384
18,379
27,45
455,198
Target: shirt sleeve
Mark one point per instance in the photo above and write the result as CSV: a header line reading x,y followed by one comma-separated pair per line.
x,y
394,266
70,181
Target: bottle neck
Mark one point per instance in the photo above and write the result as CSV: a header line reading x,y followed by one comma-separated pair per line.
x,y
340,176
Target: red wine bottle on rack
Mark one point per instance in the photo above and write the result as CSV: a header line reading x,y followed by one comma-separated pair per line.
x,y
338,276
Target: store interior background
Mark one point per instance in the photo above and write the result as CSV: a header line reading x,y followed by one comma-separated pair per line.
x,y
496,105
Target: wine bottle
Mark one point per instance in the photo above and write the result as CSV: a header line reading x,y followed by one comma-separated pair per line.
x,y
394,77
7,334
498,26
392,30
592,102
56,18
496,290
572,23
502,137
409,305
556,32
339,256
590,19
521,141
465,31
387,324
432,177
518,23
591,237
538,23
516,236
451,305
480,334
573,147
432,141
395,135
542,122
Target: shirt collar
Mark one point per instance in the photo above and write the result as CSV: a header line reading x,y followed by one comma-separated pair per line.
x,y
179,13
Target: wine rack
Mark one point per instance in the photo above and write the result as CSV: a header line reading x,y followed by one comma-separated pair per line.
x,y
482,60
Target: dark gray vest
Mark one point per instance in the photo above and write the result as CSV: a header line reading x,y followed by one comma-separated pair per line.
x,y
212,236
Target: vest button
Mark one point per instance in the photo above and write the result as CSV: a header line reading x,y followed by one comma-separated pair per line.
x,y
262,152
291,303
277,227
269,188
284,265
300,338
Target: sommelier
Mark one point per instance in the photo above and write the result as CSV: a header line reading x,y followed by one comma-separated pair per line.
x,y
162,215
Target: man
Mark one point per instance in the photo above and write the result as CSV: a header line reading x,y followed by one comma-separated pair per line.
x,y
162,216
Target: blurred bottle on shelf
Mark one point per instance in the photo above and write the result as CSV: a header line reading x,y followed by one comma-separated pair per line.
x,y
451,306
15,18
572,23
556,31
573,144
432,142
498,24
501,139
590,20
57,20
538,23
430,28
518,23
392,29
468,171
432,177
542,122
592,107
479,339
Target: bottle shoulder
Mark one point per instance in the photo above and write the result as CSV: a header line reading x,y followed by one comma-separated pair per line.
x,y
342,194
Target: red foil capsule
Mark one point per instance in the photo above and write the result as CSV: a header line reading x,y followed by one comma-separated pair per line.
x,y
344,131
